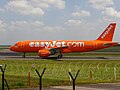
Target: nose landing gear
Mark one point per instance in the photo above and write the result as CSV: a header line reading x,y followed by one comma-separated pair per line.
x,y
24,55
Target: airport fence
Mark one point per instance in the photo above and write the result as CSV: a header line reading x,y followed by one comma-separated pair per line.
x,y
24,75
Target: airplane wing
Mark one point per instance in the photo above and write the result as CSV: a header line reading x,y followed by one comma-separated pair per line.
x,y
118,44
50,51
56,49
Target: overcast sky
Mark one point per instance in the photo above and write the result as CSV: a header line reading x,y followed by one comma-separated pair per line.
x,y
56,19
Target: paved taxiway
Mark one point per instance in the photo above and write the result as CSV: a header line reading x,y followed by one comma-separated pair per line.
x,y
9,55
64,58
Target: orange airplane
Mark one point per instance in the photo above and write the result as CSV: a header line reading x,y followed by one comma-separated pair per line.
x,y
45,48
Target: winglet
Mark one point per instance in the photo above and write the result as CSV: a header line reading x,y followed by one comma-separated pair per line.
x,y
107,35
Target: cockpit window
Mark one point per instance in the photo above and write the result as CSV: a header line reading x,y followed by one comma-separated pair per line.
x,y
15,44
19,44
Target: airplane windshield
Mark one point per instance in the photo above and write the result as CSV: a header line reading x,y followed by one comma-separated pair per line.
x,y
15,44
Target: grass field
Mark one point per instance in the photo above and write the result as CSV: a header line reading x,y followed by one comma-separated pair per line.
x,y
57,72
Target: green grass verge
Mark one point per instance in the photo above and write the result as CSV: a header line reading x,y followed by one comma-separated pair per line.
x,y
57,72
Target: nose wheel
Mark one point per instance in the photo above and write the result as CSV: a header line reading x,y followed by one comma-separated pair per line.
x,y
60,56
24,55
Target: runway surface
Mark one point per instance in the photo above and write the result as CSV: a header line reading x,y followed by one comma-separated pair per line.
x,y
18,57
9,55
64,58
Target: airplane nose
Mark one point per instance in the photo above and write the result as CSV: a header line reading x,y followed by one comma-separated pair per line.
x,y
12,48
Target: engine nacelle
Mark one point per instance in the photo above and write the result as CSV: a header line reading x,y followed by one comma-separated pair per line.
x,y
44,53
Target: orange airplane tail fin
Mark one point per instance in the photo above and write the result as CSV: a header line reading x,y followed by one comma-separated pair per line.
x,y
107,35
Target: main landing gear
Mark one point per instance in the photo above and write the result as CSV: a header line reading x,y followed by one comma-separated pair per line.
x,y
60,56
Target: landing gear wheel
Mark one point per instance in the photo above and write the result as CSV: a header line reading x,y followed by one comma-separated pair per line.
x,y
60,56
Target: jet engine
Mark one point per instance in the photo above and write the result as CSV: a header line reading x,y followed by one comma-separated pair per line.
x,y
44,53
